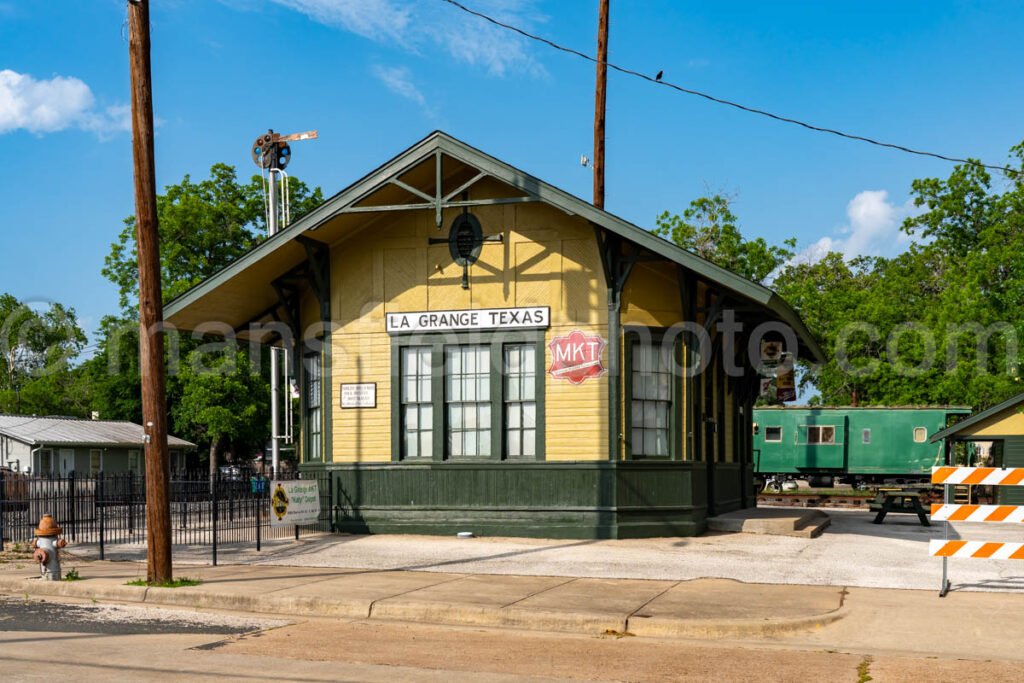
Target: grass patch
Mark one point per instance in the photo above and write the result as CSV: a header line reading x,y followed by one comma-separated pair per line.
x,y
864,670
72,575
179,582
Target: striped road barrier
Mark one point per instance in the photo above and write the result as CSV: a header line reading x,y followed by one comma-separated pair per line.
x,y
977,513
977,549
984,476
950,478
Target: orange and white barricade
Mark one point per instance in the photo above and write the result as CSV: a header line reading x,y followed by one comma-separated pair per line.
x,y
950,512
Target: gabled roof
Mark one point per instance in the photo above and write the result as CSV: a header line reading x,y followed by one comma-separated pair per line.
x,y
978,418
70,431
280,252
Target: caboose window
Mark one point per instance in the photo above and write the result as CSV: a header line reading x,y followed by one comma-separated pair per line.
x,y
773,434
821,434
865,436
920,434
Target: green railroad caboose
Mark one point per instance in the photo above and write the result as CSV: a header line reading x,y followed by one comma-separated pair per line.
x,y
856,444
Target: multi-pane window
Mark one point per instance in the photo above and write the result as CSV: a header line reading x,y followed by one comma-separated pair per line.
x,y
417,409
468,399
821,434
314,442
520,370
133,461
95,460
45,460
651,400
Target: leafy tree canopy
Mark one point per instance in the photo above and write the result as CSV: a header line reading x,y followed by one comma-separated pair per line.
x,y
709,229
204,226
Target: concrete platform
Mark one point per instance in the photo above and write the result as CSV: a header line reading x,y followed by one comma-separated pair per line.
x,y
802,523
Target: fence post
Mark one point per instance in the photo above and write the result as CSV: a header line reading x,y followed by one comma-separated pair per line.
x,y
330,503
99,511
258,498
215,504
130,496
72,505
3,519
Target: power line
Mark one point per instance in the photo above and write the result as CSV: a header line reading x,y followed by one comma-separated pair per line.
x,y
718,100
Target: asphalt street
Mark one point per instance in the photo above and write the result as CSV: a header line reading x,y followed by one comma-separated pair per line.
x,y
33,614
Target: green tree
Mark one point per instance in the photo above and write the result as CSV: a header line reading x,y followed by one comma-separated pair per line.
x,y
709,229
222,397
204,226
37,354
940,323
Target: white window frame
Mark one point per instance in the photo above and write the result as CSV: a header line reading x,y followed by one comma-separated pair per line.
x,y
767,439
819,430
924,434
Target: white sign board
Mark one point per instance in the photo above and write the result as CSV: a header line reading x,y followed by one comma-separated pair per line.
x,y
294,502
533,317
363,395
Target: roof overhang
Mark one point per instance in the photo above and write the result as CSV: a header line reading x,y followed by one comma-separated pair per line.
x,y
430,175
957,430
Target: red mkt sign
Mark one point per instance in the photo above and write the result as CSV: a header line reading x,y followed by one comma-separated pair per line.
x,y
577,357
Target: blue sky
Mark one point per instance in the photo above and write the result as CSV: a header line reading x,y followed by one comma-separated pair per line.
x,y
374,76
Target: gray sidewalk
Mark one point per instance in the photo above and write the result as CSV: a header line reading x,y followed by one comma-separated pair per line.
x,y
970,625
704,608
851,552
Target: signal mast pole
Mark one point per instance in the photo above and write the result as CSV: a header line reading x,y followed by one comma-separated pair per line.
x,y
271,153
151,341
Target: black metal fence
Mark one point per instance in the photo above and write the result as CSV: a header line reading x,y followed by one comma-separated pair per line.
x,y
110,509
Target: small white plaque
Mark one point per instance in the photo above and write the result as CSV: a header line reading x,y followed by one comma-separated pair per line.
x,y
362,395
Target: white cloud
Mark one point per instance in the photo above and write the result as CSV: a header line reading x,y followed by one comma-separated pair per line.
x,y
414,24
873,229
48,106
374,19
398,80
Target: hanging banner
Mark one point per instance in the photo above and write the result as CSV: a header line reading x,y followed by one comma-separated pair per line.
x,y
294,502
785,384
576,357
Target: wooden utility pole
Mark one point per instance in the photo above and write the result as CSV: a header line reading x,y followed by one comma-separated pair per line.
x,y
599,100
151,340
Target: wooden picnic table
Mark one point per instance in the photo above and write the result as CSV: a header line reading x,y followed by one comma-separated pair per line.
x,y
895,500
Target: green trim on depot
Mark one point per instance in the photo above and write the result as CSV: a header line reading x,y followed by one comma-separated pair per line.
x,y
532,186
581,499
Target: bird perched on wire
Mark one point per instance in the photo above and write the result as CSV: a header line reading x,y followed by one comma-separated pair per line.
x,y
658,77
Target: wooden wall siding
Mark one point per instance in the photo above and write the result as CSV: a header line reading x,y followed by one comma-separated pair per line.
x,y
547,259
362,435
555,500
1008,423
651,296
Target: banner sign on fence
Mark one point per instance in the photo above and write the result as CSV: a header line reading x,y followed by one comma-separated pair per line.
x,y
294,502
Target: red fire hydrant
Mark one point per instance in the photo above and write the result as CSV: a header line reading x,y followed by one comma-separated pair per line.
x,y
47,548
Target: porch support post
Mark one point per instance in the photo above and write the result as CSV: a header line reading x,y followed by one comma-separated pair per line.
x,y
617,269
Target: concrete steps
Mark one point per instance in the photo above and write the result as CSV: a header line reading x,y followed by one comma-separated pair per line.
x,y
773,521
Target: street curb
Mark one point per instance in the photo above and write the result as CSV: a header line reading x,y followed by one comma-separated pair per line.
x,y
710,629
423,612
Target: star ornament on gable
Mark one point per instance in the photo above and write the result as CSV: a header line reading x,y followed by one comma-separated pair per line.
x,y
576,357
